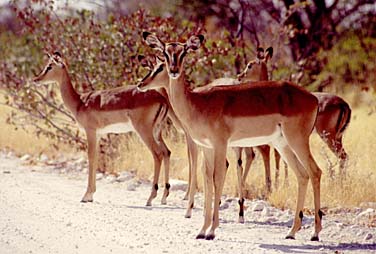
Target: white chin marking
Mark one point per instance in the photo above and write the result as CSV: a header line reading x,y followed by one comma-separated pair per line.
x,y
174,75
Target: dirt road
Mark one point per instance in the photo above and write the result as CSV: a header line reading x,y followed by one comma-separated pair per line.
x,y
41,213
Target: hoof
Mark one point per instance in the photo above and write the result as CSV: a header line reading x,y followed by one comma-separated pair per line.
x,y
210,237
290,237
185,198
148,204
241,220
315,238
86,201
163,202
188,216
200,236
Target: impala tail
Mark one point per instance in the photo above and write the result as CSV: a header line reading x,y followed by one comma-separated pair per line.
x,y
343,118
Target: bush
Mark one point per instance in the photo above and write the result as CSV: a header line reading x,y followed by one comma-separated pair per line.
x,y
350,62
101,53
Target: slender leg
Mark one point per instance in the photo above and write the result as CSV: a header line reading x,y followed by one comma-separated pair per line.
x,y
305,156
92,156
286,180
189,152
157,168
302,179
238,154
300,144
250,156
219,178
265,152
315,181
277,159
166,161
149,139
208,179
315,176
204,168
193,152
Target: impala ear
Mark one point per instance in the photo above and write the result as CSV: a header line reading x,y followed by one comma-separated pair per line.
x,y
153,41
140,57
194,42
58,59
57,54
268,54
260,53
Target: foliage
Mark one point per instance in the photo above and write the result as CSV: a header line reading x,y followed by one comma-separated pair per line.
x,y
350,61
305,27
101,54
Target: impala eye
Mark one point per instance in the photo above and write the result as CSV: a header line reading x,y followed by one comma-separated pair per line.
x,y
49,68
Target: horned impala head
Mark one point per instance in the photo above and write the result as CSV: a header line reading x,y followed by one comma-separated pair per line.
x,y
174,52
52,70
257,68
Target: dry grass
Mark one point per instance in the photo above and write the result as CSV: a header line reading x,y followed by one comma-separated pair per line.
x,y
358,187
20,140
359,141
24,141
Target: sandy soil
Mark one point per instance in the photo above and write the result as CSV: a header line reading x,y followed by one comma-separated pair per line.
x,y
41,213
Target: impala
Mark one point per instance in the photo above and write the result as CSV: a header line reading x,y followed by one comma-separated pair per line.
x,y
255,70
252,114
332,120
257,73
117,110
149,63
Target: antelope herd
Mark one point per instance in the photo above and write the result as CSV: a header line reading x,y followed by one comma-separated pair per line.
x,y
243,113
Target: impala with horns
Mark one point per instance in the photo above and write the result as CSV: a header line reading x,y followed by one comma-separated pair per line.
x,y
252,114
117,110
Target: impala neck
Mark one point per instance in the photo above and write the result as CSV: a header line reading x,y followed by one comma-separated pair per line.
x,y
70,97
178,96
263,72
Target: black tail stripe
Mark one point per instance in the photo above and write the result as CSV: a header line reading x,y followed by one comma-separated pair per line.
x,y
347,112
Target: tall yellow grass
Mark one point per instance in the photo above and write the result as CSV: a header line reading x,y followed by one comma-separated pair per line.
x,y
358,187
24,141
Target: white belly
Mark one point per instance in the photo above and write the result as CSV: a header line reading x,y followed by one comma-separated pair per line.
x,y
275,138
204,142
116,128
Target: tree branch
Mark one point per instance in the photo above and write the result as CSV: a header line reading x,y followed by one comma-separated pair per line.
x,y
50,104
346,13
77,49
